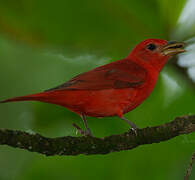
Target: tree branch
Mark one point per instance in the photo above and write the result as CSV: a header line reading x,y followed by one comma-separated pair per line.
x,y
189,170
91,145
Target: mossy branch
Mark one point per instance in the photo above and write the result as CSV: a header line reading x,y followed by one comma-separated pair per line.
x,y
92,145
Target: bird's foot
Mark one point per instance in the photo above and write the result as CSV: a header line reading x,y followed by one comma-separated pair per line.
x,y
133,126
82,132
134,130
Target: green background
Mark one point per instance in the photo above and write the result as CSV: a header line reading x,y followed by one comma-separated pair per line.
x,y
44,43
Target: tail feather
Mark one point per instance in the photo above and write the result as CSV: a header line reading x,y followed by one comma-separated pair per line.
x,y
33,97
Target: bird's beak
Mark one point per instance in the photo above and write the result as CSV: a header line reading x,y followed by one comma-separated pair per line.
x,y
173,48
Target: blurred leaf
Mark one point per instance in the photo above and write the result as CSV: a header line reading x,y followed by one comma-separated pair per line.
x,y
92,25
170,11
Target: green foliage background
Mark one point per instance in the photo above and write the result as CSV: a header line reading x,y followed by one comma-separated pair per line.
x,y
44,43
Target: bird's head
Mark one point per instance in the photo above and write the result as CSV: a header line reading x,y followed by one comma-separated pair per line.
x,y
156,52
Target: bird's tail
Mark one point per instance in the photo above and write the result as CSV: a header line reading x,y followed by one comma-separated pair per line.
x,y
32,97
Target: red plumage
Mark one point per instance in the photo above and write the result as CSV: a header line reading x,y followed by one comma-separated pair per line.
x,y
113,89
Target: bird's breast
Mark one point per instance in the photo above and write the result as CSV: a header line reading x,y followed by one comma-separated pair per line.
x,y
143,91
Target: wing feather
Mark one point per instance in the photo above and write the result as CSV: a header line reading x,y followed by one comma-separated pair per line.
x,y
117,75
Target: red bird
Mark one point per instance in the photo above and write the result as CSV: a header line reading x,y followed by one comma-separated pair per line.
x,y
115,88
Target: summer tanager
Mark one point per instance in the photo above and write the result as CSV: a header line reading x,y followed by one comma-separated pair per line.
x,y
115,88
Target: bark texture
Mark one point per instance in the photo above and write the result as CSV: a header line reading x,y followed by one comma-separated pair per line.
x,y
92,145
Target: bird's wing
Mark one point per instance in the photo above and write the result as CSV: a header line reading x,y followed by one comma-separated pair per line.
x,y
117,75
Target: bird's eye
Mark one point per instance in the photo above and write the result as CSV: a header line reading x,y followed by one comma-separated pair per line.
x,y
151,47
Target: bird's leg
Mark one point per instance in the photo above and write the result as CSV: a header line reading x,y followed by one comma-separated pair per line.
x,y
79,129
133,126
87,132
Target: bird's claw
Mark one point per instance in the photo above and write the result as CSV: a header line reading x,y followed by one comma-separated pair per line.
x,y
84,133
132,125
87,133
134,130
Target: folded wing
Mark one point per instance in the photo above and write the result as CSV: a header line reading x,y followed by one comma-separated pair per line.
x,y
116,75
